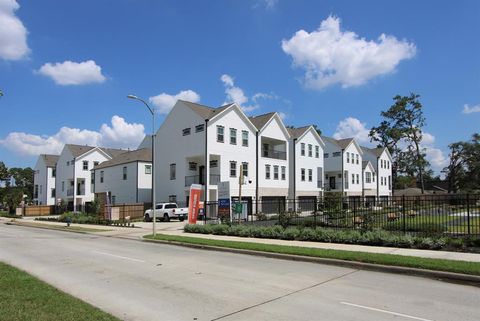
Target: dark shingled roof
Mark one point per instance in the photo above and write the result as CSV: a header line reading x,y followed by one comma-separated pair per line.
x,y
50,160
203,111
140,155
297,132
78,150
375,151
342,143
260,120
364,164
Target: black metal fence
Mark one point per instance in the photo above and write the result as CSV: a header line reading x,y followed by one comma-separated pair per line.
x,y
453,215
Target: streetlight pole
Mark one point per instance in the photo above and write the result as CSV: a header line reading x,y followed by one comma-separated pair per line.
x,y
152,111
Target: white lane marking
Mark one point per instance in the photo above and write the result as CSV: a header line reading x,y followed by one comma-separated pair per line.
x,y
120,257
385,311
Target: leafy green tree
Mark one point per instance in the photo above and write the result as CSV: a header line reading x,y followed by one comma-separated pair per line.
x,y
23,179
3,172
402,125
13,197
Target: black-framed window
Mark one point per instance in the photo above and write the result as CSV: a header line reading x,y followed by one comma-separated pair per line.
x,y
220,134
317,151
233,136
267,171
283,173
245,169
199,128
310,150
275,172
302,149
310,175
186,131
173,171
233,169
245,138
85,165
148,169
124,176
101,176
302,174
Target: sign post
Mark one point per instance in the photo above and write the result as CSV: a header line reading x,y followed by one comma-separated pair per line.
x,y
194,203
224,200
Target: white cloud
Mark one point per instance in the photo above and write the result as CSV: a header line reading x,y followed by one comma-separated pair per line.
x,y
268,4
352,127
282,115
13,34
236,94
73,73
332,56
119,134
165,102
434,155
468,110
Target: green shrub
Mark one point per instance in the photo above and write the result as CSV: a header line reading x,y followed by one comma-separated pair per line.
x,y
412,226
290,233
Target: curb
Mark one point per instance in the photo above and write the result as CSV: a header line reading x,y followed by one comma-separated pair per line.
x,y
53,227
452,277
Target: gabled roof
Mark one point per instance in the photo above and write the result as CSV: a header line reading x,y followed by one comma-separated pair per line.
x,y
368,163
260,120
50,160
343,143
78,150
375,151
297,132
112,152
203,111
139,155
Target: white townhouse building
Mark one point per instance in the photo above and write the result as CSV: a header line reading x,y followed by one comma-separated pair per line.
x,y
368,179
197,144
272,162
343,156
382,162
73,172
44,180
306,166
127,177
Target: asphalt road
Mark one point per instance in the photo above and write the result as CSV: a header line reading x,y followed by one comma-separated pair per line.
x,y
143,281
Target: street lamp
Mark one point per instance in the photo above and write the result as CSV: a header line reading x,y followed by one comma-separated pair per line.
x,y
152,111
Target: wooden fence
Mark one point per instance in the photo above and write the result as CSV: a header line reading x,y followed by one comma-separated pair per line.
x,y
124,211
38,210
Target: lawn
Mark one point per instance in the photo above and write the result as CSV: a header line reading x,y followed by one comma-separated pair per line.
x,y
24,297
464,267
67,228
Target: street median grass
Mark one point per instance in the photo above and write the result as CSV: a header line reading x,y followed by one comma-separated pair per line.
x,y
463,267
24,297
71,228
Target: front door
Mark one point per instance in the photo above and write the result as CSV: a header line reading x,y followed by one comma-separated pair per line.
x,y
332,182
201,175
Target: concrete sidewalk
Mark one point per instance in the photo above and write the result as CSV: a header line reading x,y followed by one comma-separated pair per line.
x,y
176,228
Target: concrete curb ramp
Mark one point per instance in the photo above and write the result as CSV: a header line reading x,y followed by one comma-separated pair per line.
x,y
460,278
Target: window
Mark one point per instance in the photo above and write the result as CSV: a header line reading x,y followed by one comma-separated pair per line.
x,y
233,169
336,154
63,186
233,136
92,178
381,163
85,165
52,192
317,152
101,176
245,169
125,173
172,198
353,178
373,177
54,172
368,177
265,150
173,171
213,163
68,163
95,164
302,174
310,175
199,128
310,150
114,199
284,169
148,169
275,172
388,164
356,156
348,157
389,182
358,179
186,131
302,149
244,138
267,171
192,166
220,134
41,189
325,155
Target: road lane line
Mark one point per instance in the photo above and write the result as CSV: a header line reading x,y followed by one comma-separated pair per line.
x,y
385,311
120,257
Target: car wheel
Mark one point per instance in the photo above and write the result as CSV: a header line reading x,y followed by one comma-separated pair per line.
x,y
166,218
181,218
147,218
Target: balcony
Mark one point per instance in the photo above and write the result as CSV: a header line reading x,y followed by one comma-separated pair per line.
x,y
335,186
195,179
70,192
276,154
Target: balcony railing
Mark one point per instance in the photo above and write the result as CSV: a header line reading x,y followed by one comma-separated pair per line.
x,y
195,179
271,153
319,184
337,186
70,192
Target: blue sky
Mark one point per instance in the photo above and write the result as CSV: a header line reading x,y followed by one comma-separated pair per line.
x,y
66,67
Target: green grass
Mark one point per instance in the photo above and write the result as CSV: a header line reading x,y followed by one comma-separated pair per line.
x,y
68,228
463,226
464,267
24,297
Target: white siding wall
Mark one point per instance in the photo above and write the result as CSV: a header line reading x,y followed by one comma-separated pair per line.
x,y
124,191
353,169
45,182
80,173
171,147
64,173
144,183
372,186
386,173
307,163
273,130
237,153
332,163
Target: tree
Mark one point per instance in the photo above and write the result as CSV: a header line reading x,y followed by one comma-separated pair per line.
x,y
23,179
13,197
402,124
3,172
318,130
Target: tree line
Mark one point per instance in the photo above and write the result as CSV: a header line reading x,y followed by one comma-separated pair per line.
x,y
10,195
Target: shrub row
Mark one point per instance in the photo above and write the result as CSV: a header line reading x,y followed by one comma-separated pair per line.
x,y
375,237
83,218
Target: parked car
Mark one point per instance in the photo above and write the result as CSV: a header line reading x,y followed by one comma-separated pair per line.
x,y
166,211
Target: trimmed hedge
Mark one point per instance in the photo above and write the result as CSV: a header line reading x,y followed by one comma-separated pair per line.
x,y
374,238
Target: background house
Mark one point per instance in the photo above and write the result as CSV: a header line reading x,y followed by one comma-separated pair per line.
x,y
44,180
